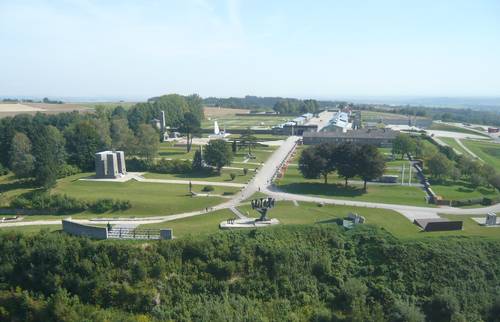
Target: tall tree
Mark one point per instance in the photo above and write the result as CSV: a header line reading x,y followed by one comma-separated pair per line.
x,y
248,139
403,144
439,166
49,153
22,162
345,161
148,142
82,142
122,136
218,154
370,163
191,126
318,161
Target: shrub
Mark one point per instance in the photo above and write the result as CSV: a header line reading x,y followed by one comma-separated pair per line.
x,y
67,170
207,188
3,170
232,176
245,171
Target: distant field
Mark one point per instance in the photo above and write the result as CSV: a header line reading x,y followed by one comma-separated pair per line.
x,y
223,111
108,105
375,116
451,128
489,152
12,109
242,122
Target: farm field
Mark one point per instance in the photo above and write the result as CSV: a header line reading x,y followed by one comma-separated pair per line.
x,y
223,111
372,116
451,128
12,109
243,122
489,152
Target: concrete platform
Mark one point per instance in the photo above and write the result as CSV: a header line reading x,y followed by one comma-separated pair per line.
x,y
482,221
247,223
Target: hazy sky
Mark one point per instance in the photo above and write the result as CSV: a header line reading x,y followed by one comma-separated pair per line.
x,y
321,49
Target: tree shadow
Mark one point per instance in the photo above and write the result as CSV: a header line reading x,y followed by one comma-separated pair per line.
x,y
323,189
17,184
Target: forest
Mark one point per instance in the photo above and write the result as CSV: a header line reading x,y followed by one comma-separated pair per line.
x,y
295,273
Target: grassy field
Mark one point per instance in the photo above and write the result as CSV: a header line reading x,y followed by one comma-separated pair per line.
x,y
489,152
242,122
293,182
169,151
453,143
148,199
195,226
451,128
462,190
206,176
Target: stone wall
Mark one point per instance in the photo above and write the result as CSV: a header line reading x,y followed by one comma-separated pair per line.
x,y
76,229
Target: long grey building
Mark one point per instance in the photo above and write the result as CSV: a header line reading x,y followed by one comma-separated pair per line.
x,y
110,164
377,137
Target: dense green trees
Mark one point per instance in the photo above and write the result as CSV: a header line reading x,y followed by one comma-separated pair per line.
x,y
49,153
148,141
306,273
218,154
295,106
348,160
22,161
318,160
83,140
403,144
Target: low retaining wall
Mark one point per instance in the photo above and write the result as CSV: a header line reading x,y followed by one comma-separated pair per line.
x,y
77,229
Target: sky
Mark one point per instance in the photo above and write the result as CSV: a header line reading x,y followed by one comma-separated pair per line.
x,y
319,49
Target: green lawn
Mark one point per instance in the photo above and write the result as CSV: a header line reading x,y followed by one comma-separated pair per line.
x,y
148,199
470,228
197,225
206,176
462,190
489,152
169,151
294,182
451,128
453,143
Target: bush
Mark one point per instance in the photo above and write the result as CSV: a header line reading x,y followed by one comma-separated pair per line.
x,y
67,170
172,166
58,203
3,170
467,202
208,189
232,176
136,164
245,171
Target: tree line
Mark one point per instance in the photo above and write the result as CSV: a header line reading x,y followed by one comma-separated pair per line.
x,y
348,160
295,273
46,147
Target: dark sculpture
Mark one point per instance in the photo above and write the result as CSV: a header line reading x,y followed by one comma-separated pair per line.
x,y
262,205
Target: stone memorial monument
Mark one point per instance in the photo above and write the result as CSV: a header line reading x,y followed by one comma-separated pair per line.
x,y
110,164
262,206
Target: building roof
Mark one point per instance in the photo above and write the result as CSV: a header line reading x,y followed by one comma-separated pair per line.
x,y
361,134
